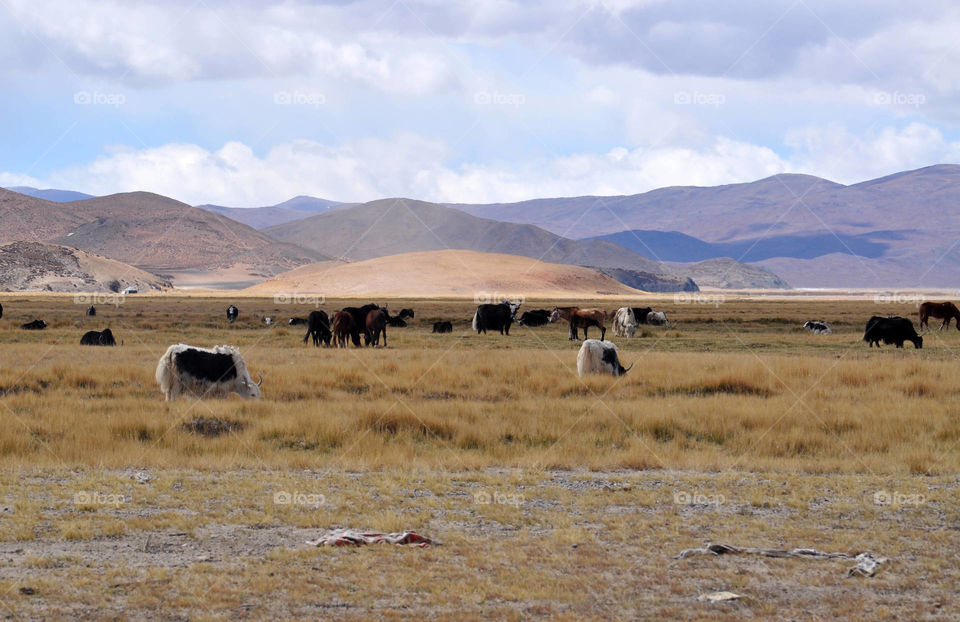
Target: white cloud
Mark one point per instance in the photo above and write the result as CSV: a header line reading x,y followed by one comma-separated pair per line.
x,y
13,179
405,165
150,44
834,152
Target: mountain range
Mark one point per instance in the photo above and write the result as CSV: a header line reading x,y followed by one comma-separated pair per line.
x,y
896,231
392,226
902,230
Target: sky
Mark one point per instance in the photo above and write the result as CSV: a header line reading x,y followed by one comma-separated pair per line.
x,y
247,103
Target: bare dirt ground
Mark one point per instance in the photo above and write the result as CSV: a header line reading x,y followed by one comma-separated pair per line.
x,y
558,544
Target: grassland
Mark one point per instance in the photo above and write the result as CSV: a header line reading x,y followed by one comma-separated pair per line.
x,y
735,425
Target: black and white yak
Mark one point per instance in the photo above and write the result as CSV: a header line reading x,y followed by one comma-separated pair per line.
x,y
817,327
495,317
205,372
599,357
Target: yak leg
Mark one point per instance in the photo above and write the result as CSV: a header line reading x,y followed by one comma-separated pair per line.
x,y
603,333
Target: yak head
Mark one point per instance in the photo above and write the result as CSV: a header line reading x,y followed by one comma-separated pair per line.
x,y
246,387
610,358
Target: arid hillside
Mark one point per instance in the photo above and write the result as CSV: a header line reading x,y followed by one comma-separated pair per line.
x,y
149,231
34,266
449,273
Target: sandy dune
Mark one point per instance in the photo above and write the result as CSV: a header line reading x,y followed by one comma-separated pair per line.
x,y
448,273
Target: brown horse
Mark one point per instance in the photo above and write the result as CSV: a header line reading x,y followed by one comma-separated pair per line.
x,y
342,328
377,325
945,311
581,318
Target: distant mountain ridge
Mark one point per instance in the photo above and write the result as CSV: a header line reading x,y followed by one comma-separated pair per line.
x,y
900,230
679,247
51,194
297,208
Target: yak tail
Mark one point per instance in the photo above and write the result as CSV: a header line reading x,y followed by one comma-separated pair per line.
x,y
475,320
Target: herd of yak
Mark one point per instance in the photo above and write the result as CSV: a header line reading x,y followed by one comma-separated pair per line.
x,y
220,370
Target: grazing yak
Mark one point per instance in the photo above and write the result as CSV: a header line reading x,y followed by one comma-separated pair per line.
x,y
267,320
297,321
640,314
232,313
599,357
624,322
443,327
376,325
889,330
205,372
34,325
98,338
657,318
536,317
342,328
818,327
91,311
397,320
318,327
495,317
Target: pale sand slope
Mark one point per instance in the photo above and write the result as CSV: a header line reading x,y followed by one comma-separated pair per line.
x,y
448,273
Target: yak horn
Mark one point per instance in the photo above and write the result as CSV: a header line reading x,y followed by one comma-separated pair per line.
x,y
261,380
629,368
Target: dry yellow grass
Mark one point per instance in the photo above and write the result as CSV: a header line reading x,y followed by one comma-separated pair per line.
x,y
775,436
746,390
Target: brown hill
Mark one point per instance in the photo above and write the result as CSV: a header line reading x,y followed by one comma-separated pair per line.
x,y
149,231
33,266
29,218
447,273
